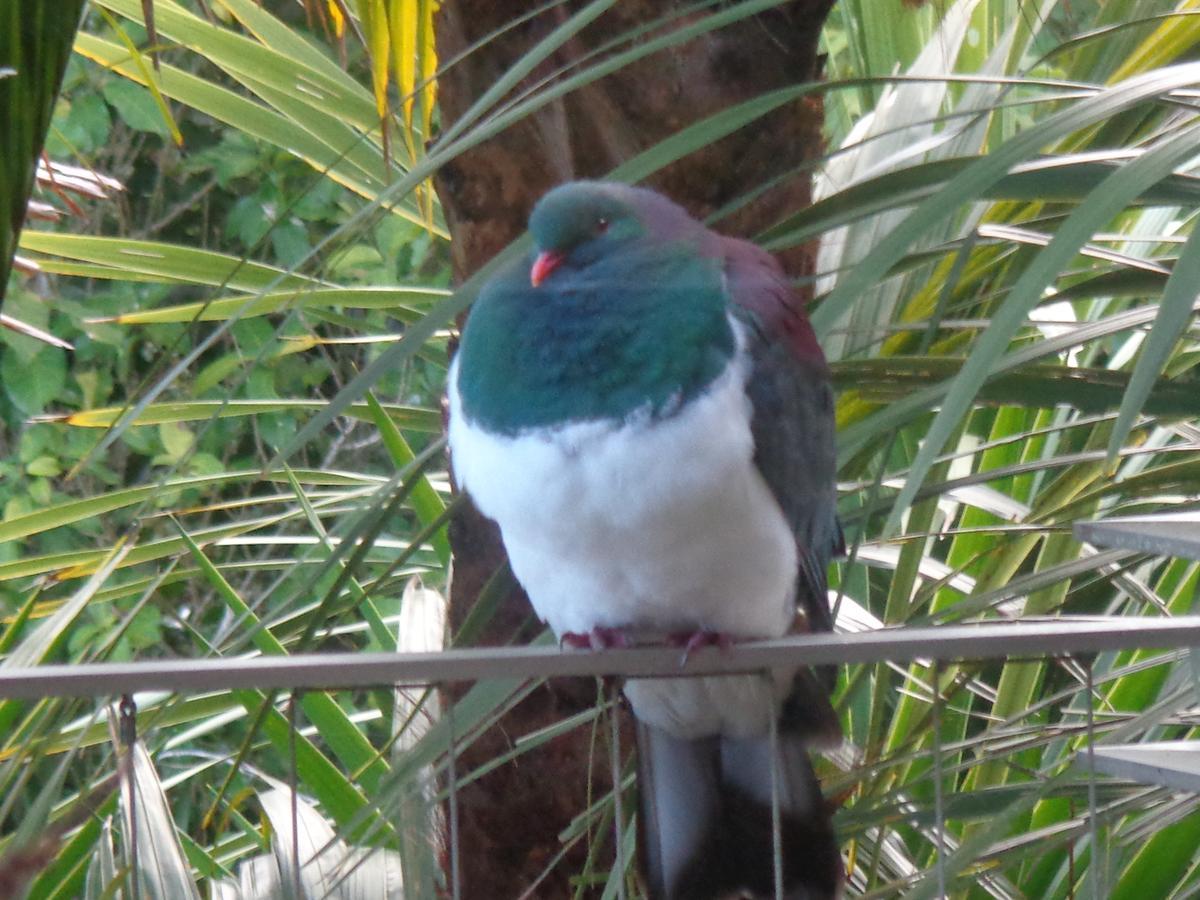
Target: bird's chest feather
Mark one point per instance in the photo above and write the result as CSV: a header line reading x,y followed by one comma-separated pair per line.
x,y
654,523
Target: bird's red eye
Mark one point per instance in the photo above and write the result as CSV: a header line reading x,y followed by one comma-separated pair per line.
x,y
601,226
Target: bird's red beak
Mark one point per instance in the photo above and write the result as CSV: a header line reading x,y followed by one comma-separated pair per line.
x,y
547,261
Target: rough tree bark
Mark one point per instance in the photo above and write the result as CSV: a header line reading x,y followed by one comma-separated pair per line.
x,y
510,820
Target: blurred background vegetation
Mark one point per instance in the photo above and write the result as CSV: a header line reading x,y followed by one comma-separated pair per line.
x,y
240,453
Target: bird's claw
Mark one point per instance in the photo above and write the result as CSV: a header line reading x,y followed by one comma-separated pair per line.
x,y
598,638
694,640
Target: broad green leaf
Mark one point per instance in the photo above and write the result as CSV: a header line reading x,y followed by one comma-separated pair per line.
x,y
331,721
397,301
328,148
72,511
1108,199
1175,312
985,172
425,500
1090,390
32,386
160,862
244,58
1053,179
166,261
34,49
37,647
202,410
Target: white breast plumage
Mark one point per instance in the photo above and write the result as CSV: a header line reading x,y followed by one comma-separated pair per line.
x,y
648,523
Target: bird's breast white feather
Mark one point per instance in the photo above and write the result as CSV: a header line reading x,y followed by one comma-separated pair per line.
x,y
651,523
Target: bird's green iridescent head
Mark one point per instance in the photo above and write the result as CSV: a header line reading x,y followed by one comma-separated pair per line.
x,y
580,222
618,312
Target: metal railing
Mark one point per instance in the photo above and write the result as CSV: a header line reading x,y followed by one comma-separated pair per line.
x,y
1017,639
1064,638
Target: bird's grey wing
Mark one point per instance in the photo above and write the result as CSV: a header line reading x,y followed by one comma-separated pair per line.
x,y
793,417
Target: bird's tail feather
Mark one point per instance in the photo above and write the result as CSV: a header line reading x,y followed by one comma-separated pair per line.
x,y
705,818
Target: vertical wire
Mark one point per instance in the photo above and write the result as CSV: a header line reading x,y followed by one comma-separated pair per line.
x,y
939,809
295,802
1097,866
614,753
452,787
128,730
776,812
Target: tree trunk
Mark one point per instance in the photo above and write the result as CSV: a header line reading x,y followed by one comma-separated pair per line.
x,y
511,819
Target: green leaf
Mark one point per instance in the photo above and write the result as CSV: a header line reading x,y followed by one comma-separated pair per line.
x,y
891,379
1108,199
165,262
33,385
177,440
88,124
425,500
72,511
330,720
44,467
398,301
35,43
1066,178
987,171
135,106
427,420
161,864
1175,312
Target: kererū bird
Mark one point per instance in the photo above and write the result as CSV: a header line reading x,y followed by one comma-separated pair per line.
x,y
642,406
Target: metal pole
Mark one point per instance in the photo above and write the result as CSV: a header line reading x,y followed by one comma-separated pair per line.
x,y
347,670
776,812
614,752
939,810
1097,866
452,786
127,711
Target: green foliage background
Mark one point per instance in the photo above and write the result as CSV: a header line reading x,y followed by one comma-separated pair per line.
x,y
1006,291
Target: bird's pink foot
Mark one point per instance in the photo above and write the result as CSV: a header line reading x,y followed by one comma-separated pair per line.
x,y
597,639
694,640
